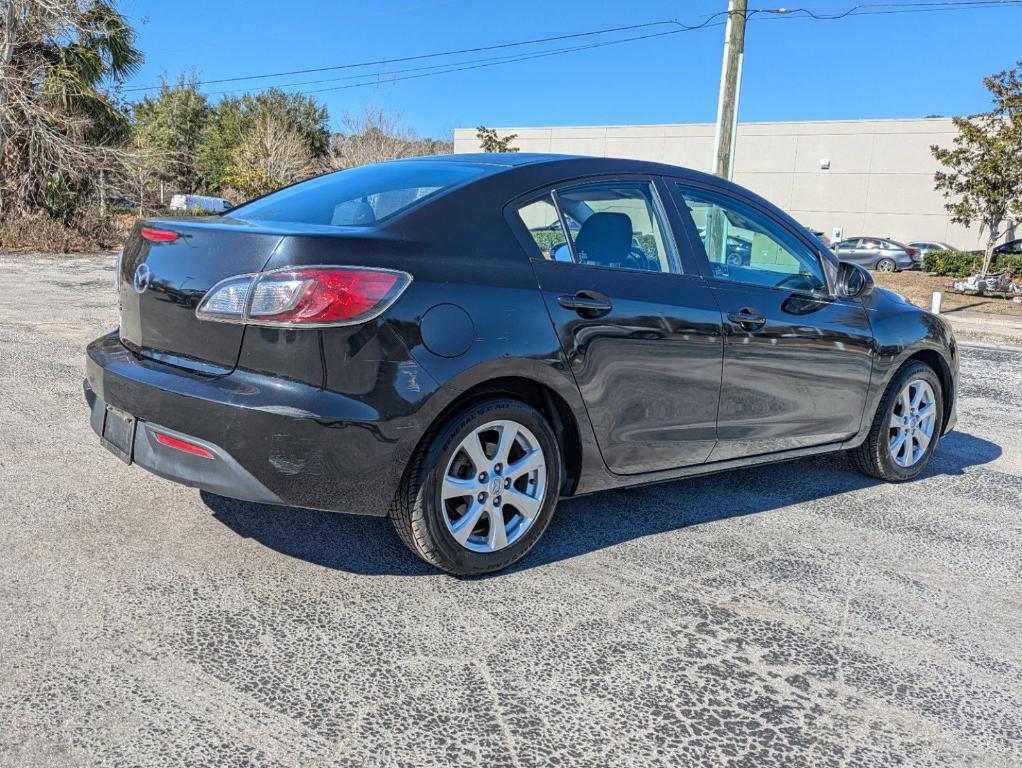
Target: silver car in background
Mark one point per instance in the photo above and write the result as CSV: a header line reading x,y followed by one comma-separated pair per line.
x,y
927,246
879,253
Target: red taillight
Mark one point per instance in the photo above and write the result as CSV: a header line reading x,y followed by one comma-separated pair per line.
x,y
305,297
158,235
183,445
912,252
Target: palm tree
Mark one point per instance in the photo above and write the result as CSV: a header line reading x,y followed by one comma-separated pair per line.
x,y
60,64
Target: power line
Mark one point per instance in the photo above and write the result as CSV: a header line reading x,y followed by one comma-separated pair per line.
x,y
886,8
419,57
375,78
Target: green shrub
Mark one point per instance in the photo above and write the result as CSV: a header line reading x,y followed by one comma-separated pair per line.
x,y
1010,263
965,263
953,263
549,239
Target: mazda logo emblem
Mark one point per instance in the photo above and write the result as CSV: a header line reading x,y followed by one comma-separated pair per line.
x,y
141,279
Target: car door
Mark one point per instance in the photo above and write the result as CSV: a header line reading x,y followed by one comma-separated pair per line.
x,y
848,250
797,359
640,332
870,251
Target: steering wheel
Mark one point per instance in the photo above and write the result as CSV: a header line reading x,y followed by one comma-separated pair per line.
x,y
643,261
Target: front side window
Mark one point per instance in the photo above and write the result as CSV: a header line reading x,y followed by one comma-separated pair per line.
x,y
745,245
609,224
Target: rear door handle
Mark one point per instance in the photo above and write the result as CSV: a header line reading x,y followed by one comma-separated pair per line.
x,y
749,319
587,303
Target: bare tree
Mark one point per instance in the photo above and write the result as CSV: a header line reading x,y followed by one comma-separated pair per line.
x,y
272,155
371,136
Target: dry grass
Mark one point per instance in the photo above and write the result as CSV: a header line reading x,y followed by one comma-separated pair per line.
x,y
39,233
919,287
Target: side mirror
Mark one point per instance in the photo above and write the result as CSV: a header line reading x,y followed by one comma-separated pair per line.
x,y
853,281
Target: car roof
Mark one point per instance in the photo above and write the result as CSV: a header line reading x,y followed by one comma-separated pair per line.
x,y
569,163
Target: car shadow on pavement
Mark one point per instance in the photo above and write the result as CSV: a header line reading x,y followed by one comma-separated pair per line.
x,y
368,545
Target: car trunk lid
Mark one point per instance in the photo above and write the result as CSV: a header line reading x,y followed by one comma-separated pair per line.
x,y
162,278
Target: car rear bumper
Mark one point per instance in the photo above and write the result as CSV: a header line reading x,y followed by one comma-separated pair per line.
x,y
272,440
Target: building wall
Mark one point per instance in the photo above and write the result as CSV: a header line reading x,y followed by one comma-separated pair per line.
x,y
880,179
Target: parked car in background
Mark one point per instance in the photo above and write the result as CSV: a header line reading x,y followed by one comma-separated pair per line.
x,y
879,253
202,203
739,249
928,246
824,238
1012,247
395,340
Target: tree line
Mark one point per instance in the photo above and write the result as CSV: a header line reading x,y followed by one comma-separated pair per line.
x,y
248,145
71,143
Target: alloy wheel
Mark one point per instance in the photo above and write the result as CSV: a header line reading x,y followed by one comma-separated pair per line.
x,y
912,423
885,265
494,486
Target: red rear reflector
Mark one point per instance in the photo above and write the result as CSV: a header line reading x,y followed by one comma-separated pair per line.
x,y
183,445
159,235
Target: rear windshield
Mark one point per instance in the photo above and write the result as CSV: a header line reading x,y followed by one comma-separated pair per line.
x,y
359,196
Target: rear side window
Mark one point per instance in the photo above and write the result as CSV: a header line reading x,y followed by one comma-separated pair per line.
x,y
617,224
359,197
544,225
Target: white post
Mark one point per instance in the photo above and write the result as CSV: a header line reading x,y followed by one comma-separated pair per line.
x,y
102,193
935,304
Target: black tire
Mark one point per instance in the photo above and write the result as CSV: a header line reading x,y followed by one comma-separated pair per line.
x,y
418,515
873,457
886,265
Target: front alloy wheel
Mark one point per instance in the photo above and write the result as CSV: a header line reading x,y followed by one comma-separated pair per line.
x,y
905,428
912,423
480,492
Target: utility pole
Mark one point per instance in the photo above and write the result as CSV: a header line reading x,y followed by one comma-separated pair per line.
x,y
730,89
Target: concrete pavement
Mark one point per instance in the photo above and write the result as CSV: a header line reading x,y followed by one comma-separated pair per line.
x,y
798,614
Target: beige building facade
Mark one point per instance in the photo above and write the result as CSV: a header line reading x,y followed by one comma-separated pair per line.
x,y
842,177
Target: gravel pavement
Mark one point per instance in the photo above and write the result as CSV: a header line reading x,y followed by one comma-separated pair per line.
x,y
797,614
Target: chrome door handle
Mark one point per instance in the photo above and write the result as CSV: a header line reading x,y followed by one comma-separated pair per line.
x,y
587,303
749,319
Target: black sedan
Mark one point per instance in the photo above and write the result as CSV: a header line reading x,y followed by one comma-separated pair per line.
x,y
399,340
1009,248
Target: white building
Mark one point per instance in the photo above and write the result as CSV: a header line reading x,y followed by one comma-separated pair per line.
x,y
858,177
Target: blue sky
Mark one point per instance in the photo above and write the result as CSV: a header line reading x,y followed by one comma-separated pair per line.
x,y
875,66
